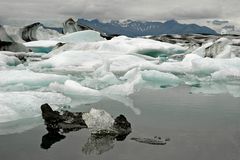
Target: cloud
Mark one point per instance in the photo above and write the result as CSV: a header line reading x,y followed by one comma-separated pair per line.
x,y
57,10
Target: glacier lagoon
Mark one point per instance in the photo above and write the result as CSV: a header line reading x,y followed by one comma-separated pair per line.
x,y
197,124
184,91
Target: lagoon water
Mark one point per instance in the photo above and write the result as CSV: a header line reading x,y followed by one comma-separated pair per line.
x,y
200,127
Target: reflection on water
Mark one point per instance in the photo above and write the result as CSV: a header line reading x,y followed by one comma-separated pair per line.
x,y
101,139
96,144
50,138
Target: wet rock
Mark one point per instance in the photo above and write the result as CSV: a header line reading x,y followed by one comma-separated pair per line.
x,y
108,36
152,141
98,145
122,126
65,121
51,138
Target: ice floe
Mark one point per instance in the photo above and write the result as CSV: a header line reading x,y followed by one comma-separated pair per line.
x,y
28,78
21,105
6,61
82,36
98,120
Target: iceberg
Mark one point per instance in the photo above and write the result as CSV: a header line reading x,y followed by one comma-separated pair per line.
x,y
160,78
21,105
209,65
231,74
221,48
41,46
46,34
217,88
71,59
29,78
6,61
19,125
75,90
81,36
98,120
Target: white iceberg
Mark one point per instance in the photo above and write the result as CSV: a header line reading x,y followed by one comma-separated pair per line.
x,y
29,78
98,120
81,36
46,34
75,90
41,43
160,78
229,74
6,61
72,59
21,105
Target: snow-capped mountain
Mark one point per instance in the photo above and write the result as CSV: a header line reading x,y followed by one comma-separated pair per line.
x,y
142,28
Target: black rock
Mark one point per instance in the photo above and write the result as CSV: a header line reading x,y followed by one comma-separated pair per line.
x,y
122,126
152,141
66,121
50,138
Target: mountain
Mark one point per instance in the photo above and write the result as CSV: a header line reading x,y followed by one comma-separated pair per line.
x,y
139,28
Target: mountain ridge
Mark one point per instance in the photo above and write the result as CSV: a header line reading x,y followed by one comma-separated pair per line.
x,y
143,28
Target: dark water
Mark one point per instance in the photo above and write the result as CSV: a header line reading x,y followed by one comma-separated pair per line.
x,y
201,127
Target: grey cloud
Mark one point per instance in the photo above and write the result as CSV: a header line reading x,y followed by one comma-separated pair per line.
x,y
57,10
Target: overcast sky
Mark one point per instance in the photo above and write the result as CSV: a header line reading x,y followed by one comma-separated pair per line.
x,y
20,11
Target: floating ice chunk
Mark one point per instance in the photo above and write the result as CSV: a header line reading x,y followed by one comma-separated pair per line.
x,y
125,63
226,53
194,64
208,65
21,105
41,43
81,36
124,89
41,46
91,60
103,70
218,49
77,59
140,45
190,57
8,60
124,45
161,78
29,78
74,89
14,33
130,75
19,126
217,88
98,120
201,50
46,34
185,66
226,75
109,78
